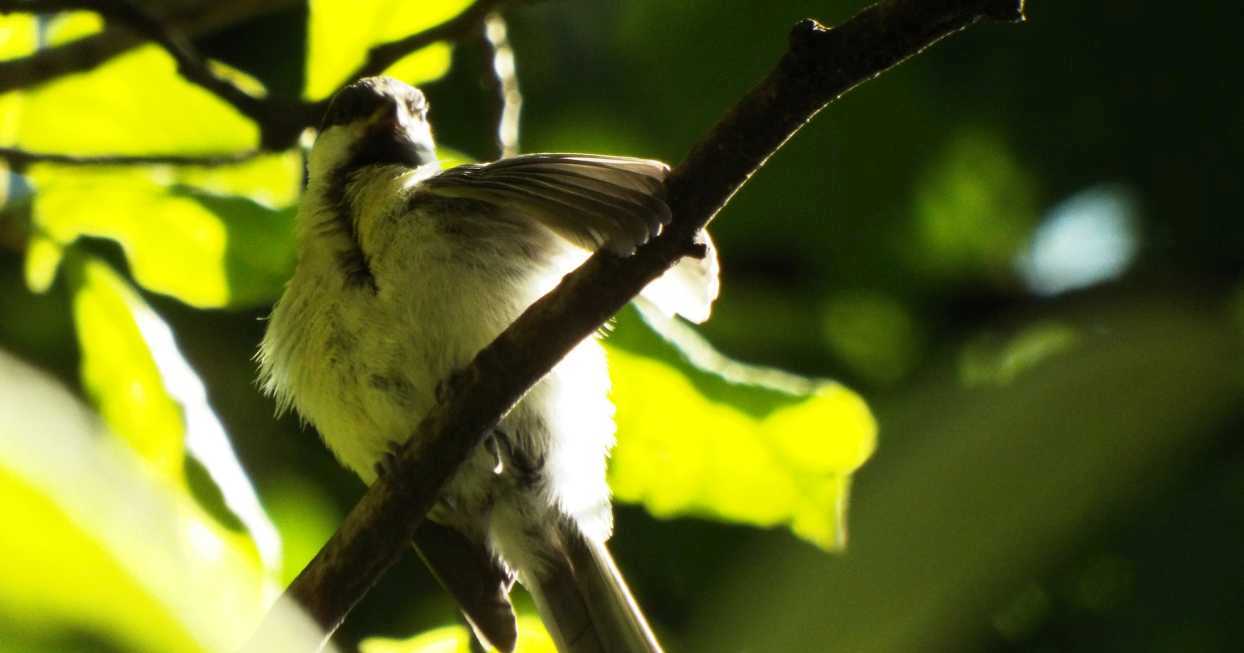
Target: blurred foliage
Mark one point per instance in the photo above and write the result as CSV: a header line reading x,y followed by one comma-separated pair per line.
x,y
1022,244
532,638
101,544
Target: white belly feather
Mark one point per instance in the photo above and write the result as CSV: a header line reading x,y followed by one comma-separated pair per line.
x,y
363,367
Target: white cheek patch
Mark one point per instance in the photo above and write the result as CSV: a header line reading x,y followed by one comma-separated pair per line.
x,y
334,146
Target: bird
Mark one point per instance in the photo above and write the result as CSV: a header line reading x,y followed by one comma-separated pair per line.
x,y
405,271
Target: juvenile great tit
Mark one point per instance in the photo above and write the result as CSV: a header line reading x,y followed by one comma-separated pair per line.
x,y
406,271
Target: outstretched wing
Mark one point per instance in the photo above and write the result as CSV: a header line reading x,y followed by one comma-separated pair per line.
x,y
592,201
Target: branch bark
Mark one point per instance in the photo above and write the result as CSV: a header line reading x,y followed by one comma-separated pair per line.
x,y
820,65
18,159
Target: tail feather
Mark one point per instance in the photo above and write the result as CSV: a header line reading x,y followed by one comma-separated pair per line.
x,y
475,579
586,605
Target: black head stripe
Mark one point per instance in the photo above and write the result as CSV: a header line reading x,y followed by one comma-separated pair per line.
x,y
356,101
367,96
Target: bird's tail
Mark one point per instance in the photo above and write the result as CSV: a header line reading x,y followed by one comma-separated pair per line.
x,y
586,605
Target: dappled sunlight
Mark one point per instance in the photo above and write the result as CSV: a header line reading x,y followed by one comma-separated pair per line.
x,y
1089,238
982,320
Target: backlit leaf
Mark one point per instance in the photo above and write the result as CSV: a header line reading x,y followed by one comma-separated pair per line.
x,y
211,237
339,35
135,103
699,434
118,372
152,399
18,36
94,543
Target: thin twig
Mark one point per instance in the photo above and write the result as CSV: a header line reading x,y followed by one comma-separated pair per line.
x,y
129,14
88,52
503,82
820,65
18,159
280,120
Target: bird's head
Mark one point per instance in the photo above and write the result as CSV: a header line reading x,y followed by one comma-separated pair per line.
x,y
376,120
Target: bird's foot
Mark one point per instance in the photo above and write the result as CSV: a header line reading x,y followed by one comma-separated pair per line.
x,y
490,444
450,386
387,465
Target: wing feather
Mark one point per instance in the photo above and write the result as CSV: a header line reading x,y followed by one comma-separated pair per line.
x,y
592,201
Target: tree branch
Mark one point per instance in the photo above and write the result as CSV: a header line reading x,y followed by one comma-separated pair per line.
x,y
272,115
19,159
88,52
820,65
280,120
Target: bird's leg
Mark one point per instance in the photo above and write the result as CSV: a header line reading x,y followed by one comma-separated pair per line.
x,y
527,468
449,386
490,443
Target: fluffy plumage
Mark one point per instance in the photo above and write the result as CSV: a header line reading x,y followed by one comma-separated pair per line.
x,y
404,273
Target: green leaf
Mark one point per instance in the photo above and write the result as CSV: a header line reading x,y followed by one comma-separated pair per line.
x,y
119,374
134,104
339,35
151,398
18,37
532,638
699,434
211,236
94,542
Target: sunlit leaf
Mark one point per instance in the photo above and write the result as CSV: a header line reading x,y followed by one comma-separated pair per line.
x,y
118,372
88,584
702,435
18,36
214,236
423,65
72,25
532,638
93,542
149,395
135,103
339,35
